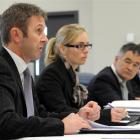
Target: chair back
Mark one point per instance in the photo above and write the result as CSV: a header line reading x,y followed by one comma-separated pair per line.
x,y
85,77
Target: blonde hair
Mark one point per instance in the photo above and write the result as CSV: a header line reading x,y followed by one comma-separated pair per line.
x,y
67,34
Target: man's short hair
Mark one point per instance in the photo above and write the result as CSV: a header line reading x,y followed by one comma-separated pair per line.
x,y
18,15
135,48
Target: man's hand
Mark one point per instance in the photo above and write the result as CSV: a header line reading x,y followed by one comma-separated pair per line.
x,y
118,114
73,123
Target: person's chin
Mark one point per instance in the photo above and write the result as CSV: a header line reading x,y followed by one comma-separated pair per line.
x,y
127,78
83,62
37,57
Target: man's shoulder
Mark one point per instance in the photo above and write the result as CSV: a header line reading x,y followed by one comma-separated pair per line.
x,y
107,71
105,75
3,61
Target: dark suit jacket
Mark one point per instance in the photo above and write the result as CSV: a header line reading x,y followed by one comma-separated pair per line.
x,y
135,82
55,87
13,115
105,88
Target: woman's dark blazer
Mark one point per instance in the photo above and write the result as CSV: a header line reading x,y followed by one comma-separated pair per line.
x,y
13,114
105,88
55,87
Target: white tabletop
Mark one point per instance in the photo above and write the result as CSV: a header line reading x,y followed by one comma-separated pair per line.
x,y
89,137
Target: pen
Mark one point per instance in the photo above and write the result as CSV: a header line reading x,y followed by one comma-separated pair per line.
x,y
109,104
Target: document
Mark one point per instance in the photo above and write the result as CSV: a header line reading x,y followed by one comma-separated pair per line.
x,y
129,104
132,106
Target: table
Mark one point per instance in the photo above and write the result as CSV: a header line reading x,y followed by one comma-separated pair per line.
x,y
89,137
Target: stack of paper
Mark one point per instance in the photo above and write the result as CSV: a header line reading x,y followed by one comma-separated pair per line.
x,y
130,105
101,127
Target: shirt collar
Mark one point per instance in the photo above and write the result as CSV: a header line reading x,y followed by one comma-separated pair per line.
x,y
115,72
20,63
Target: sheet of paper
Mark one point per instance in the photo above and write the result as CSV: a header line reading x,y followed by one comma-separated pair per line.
x,y
131,104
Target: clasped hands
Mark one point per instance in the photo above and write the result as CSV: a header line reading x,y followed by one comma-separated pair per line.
x,y
74,122
90,111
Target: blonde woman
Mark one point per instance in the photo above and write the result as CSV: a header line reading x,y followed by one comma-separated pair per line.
x,y
58,86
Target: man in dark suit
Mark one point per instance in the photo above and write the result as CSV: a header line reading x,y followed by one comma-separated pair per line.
x,y
23,38
135,82
107,84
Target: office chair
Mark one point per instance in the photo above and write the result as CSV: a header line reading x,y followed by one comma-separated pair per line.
x,y
85,77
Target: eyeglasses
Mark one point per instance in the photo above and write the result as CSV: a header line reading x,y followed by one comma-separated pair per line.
x,y
81,46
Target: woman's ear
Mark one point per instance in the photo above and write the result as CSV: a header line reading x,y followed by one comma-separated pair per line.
x,y
62,49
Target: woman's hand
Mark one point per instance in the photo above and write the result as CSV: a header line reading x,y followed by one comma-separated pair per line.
x,y
90,111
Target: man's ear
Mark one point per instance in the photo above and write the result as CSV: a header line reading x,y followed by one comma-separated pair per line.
x,y
16,34
116,58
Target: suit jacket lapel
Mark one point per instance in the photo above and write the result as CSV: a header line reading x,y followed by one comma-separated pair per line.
x,y
131,96
12,64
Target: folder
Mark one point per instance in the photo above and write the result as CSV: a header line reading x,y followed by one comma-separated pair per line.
x,y
100,128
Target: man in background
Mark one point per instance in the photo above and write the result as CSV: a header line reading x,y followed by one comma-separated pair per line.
x,y
113,83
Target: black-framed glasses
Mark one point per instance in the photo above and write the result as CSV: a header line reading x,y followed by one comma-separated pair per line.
x,y
79,46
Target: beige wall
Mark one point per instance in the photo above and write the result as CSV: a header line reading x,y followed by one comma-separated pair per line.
x,y
112,20
107,22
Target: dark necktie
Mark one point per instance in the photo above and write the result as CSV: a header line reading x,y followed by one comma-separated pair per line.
x,y
124,91
28,92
